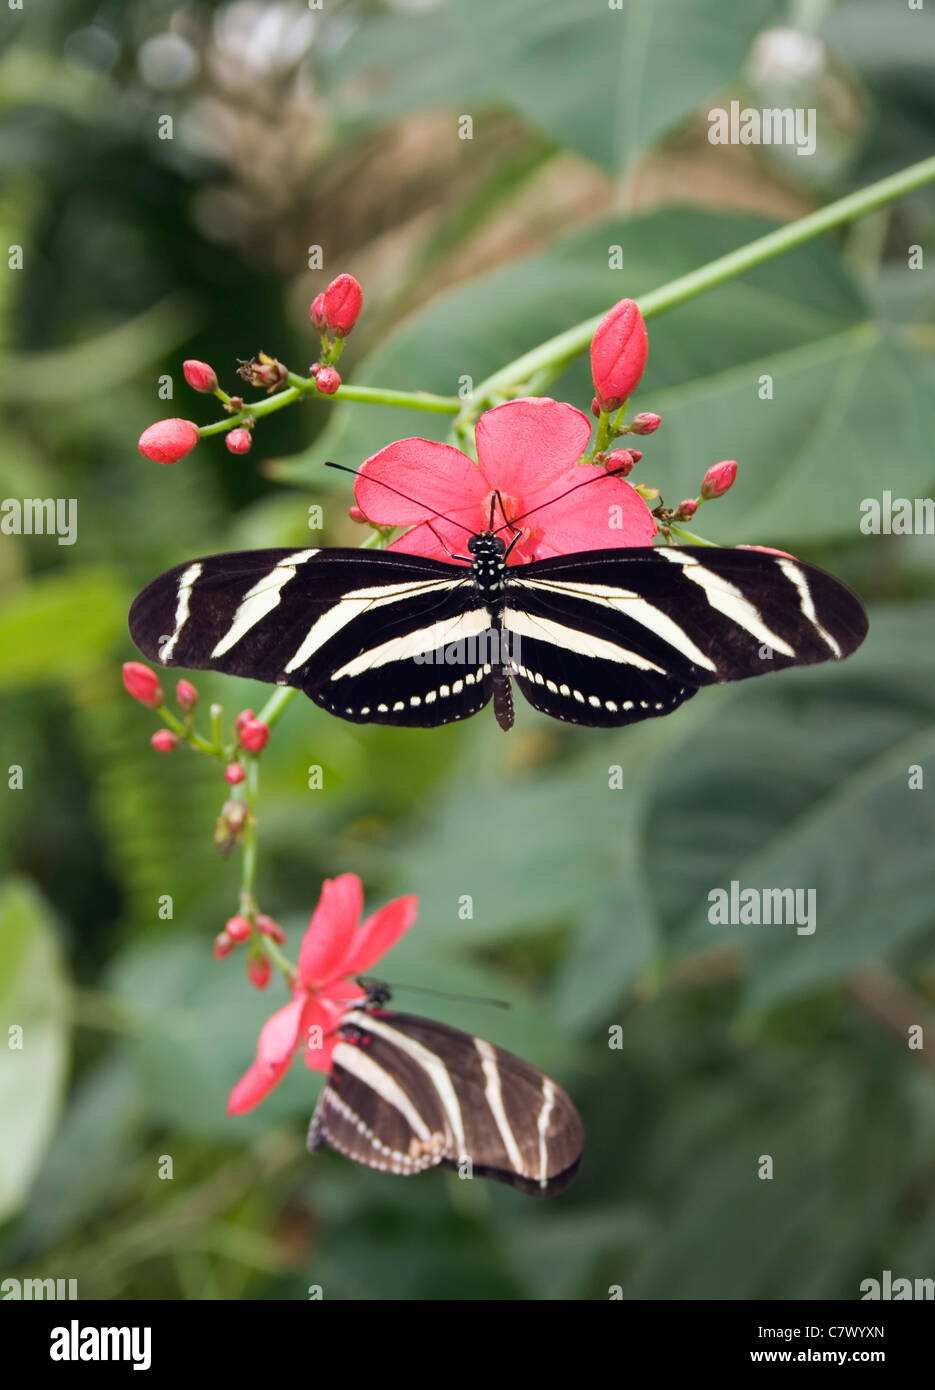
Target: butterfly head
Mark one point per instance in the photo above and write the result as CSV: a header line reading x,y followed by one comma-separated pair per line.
x,y
487,546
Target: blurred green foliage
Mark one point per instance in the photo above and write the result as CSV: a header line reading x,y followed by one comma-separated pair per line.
x,y
590,903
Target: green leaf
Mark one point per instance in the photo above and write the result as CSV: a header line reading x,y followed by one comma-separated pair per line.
x,y
807,785
531,55
32,999
55,625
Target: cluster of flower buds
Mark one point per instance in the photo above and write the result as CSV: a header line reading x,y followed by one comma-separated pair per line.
x,y
239,929
334,313
252,732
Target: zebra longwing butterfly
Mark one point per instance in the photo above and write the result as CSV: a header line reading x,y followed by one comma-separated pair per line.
x,y
600,637
406,1094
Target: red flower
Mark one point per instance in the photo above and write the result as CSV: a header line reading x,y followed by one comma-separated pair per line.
x,y
167,441
619,350
333,948
526,451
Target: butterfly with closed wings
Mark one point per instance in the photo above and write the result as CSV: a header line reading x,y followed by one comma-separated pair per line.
x,y
599,637
406,1094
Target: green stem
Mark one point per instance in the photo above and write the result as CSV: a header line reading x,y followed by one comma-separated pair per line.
x,y
249,842
561,349
301,387
690,537
277,703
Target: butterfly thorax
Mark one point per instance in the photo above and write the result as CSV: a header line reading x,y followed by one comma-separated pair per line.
x,y
489,563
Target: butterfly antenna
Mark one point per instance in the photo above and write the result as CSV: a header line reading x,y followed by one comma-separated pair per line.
x,y
609,473
381,988
359,473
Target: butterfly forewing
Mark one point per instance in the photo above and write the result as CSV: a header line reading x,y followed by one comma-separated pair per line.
x,y
407,1093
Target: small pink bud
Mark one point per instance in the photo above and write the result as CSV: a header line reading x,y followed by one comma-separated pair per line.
x,y
327,380
167,441
595,407
316,312
222,945
342,303
620,461
272,929
237,928
356,515
259,971
164,741
234,773
186,694
645,423
199,375
719,477
619,350
142,683
239,441
243,718
254,735
686,510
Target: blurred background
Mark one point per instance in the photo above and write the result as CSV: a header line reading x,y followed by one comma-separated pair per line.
x,y
293,127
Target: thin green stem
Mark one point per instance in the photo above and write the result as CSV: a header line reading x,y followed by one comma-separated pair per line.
x,y
249,842
561,349
301,387
277,703
689,537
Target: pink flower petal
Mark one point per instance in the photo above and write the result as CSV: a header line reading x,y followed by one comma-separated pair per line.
x,y
597,515
441,540
433,477
279,1038
331,929
379,933
325,1015
524,445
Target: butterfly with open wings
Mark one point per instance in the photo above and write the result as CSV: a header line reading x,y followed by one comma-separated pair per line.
x,y
599,637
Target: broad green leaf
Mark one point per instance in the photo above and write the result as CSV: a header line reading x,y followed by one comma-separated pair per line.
x,y
807,785
33,1048
587,73
55,625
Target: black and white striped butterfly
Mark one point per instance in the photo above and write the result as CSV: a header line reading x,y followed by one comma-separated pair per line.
x,y
406,1094
600,637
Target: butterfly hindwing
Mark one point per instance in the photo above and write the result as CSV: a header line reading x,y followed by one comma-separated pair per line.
x,y
409,1093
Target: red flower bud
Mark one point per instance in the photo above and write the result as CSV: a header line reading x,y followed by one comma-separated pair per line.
x,y
259,971
186,694
239,441
199,375
254,735
167,441
316,312
620,461
243,718
719,477
619,350
222,945
356,515
272,929
234,773
686,510
164,741
645,423
595,407
342,302
237,928
142,683
327,380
